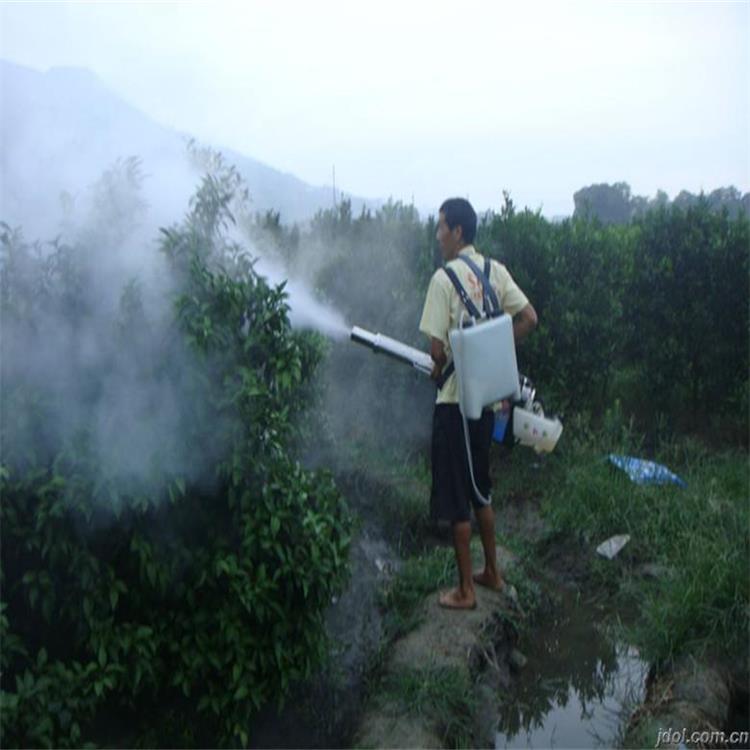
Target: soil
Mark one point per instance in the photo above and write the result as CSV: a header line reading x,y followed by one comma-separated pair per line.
x,y
347,705
702,696
476,643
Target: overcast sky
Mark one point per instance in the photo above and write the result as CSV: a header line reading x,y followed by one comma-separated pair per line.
x,y
423,101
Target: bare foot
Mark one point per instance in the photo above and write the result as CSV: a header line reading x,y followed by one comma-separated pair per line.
x,y
488,580
454,599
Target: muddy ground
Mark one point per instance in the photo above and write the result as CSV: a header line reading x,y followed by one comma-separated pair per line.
x,y
362,698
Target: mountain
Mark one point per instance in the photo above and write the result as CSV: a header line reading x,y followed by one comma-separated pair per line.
x,y
61,129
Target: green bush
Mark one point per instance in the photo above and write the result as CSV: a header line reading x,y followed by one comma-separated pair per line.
x,y
166,575
687,300
573,274
654,313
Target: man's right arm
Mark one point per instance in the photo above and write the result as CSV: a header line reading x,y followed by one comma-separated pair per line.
x,y
439,357
435,322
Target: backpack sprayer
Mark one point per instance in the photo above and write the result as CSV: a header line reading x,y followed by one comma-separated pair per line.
x,y
484,359
530,427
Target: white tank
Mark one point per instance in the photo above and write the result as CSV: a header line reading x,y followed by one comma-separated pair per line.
x,y
485,359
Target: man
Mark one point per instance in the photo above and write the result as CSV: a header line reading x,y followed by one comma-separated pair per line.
x,y
452,490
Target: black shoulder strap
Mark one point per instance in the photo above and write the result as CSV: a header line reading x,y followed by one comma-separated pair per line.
x,y
471,308
491,305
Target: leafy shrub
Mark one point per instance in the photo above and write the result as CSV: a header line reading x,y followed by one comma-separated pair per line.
x,y
166,564
573,274
688,294
654,313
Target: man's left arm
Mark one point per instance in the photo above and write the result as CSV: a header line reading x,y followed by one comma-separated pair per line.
x,y
515,302
524,322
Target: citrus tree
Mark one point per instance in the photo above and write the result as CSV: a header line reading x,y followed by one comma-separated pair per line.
x,y
166,563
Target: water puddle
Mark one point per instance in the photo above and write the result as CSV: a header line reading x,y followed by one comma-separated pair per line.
x,y
578,686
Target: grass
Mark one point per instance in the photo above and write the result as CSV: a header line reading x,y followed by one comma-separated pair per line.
x,y
444,696
405,512
393,492
403,594
403,490
697,536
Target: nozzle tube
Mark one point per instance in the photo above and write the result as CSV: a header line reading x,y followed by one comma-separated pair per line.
x,y
396,349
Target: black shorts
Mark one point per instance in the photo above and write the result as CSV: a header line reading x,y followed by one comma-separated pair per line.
x,y
452,491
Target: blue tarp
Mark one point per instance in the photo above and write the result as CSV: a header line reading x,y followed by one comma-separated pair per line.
x,y
645,472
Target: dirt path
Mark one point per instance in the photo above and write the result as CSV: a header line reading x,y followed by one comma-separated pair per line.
x,y
438,685
431,676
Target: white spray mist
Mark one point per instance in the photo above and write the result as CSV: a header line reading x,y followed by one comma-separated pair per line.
x,y
305,310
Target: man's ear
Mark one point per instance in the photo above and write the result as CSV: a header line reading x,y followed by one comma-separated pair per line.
x,y
458,233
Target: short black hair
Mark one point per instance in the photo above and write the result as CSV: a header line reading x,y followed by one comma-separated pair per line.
x,y
459,212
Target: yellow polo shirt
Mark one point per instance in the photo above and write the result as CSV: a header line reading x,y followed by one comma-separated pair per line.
x,y
443,307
